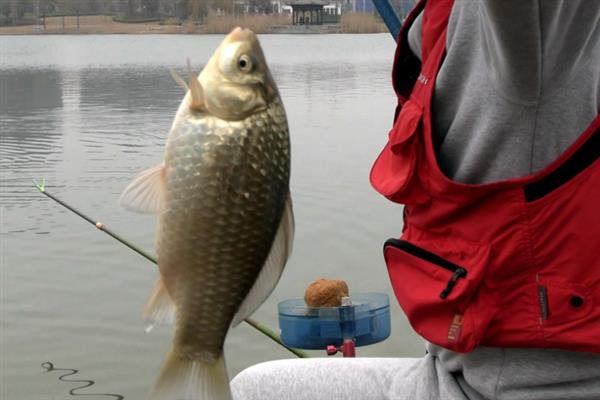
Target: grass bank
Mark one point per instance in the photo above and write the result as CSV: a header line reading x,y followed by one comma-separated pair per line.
x,y
96,24
257,23
361,23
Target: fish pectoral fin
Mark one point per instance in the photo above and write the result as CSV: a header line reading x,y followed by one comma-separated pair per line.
x,y
145,193
196,90
273,267
160,308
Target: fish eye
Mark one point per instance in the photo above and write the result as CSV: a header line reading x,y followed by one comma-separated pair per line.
x,y
245,63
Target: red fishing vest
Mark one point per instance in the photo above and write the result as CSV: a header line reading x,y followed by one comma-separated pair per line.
x,y
514,263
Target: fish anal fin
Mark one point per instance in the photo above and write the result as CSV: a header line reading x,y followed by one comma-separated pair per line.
x,y
160,308
273,267
145,193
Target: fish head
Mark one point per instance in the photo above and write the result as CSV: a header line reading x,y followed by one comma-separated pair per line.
x,y
236,80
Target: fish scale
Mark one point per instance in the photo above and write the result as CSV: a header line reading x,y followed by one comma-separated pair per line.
x,y
221,241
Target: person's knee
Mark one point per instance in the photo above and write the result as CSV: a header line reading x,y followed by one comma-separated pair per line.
x,y
244,379
250,383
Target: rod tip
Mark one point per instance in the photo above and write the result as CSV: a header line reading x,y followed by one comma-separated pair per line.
x,y
40,186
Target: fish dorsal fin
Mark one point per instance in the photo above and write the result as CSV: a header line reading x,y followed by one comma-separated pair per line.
x,y
196,90
273,267
145,193
160,308
179,79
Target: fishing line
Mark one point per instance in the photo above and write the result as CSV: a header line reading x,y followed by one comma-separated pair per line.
x,y
49,367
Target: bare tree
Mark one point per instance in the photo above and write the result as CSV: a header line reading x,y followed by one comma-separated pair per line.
x,y
197,9
260,6
5,8
131,7
181,9
19,8
65,7
224,6
150,7
92,6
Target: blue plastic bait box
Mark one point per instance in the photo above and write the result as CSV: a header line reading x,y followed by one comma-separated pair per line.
x,y
367,320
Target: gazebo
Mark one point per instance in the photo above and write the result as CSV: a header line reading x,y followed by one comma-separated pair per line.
x,y
307,12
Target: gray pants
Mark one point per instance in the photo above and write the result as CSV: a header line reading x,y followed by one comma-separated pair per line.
x,y
485,373
347,379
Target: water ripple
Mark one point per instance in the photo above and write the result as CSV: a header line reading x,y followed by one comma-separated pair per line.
x,y
88,113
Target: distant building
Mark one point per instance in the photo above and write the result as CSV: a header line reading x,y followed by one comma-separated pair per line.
x,y
332,7
307,12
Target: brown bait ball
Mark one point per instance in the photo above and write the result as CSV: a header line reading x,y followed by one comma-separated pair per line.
x,y
326,293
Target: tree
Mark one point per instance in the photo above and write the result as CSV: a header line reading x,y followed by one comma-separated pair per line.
x,y
90,6
181,9
224,6
5,8
129,7
46,6
260,6
150,7
19,8
65,7
197,9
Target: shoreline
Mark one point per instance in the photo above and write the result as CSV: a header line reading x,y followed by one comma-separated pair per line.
x,y
95,25
106,25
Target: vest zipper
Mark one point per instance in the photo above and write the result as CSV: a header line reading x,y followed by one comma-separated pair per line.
x,y
458,272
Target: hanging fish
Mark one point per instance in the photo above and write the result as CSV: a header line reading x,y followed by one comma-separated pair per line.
x,y
225,222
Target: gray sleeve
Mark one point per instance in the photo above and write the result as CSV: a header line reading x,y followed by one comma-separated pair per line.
x,y
532,46
414,36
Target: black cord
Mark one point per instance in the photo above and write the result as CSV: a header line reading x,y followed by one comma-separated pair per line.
x,y
49,367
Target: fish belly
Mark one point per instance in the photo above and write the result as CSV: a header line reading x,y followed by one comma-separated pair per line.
x,y
226,184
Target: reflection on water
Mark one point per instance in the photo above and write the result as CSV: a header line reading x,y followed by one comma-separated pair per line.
x,y
88,113
31,103
25,91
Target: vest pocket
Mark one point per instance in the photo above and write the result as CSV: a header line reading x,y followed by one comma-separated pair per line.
x,y
393,172
437,292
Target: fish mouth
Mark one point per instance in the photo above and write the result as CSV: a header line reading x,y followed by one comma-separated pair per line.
x,y
239,35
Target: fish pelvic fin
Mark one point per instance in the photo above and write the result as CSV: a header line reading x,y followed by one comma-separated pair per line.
x,y
145,193
272,269
186,379
196,90
160,308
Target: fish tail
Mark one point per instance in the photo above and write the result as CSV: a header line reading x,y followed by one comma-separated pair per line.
x,y
184,379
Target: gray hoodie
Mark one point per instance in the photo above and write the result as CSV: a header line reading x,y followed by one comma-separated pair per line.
x,y
520,82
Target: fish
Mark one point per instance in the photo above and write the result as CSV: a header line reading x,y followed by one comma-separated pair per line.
x,y
225,223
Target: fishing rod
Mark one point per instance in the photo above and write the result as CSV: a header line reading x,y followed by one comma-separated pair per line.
x,y
389,16
99,225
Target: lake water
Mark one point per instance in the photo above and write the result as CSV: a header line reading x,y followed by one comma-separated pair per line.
x,y
87,113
